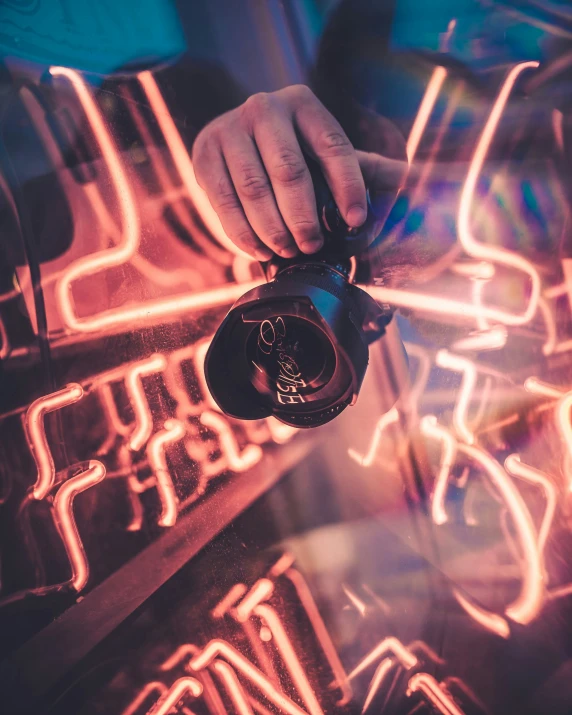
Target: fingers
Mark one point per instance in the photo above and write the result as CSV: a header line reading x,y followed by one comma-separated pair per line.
x,y
213,176
255,192
328,143
382,174
289,175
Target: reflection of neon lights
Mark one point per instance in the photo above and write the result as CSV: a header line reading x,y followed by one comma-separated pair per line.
x,y
424,112
381,672
322,634
261,591
563,408
143,695
65,522
535,476
36,434
388,646
467,367
291,661
355,600
434,692
165,308
120,253
491,621
179,655
183,162
180,688
492,339
389,418
219,648
529,601
235,593
173,431
429,428
441,306
487,252
5,343
233,687
237,461
134,387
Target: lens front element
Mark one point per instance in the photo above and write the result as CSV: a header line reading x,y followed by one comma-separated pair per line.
x,y
290,358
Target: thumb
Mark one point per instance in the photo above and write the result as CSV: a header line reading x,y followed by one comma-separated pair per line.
x,y
384,178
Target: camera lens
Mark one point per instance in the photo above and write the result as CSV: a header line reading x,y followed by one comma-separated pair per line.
x,y
295,348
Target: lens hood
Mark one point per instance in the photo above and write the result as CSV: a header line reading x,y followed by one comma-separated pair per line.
x,y
295,348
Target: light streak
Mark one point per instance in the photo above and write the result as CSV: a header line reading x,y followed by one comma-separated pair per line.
x,y
447,307
491,621
182,652
562,412
527,604
134,387
36,434
237,461
183,162
180,688
355,600
165,308
424,112
470,245
492,339
173,431
65,521
153,686
282,565
293,665
219,648
538,387
381,672
514,465
122,252
387,419
233,687
5,343
430,429
322,634
388,646
435,693
448,361
226,603
261,591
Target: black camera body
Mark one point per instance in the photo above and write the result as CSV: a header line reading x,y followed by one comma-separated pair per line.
x,y
297,347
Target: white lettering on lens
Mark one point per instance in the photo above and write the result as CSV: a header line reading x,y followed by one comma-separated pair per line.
x,y
289,379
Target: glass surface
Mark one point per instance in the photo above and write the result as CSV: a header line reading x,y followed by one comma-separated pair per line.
x,y
412,556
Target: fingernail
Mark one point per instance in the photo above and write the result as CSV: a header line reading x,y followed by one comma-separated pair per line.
x,y
289,252
311,246
262,255
356,216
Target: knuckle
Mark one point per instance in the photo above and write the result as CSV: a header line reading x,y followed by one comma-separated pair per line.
x,y
300,92
305,228
278,237
225,198
335,144
257,104
253,183
245,239
289,168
